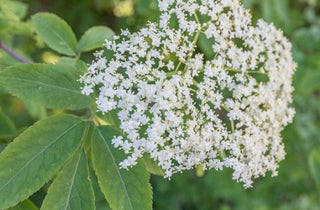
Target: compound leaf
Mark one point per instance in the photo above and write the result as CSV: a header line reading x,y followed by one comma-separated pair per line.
x,y
36,155
123,189
72,188
53,86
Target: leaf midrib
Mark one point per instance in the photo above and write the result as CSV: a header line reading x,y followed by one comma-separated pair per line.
x,y
45,148
72,181
117,169
45,84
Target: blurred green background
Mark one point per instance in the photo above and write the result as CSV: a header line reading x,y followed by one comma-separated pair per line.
x,y
298,184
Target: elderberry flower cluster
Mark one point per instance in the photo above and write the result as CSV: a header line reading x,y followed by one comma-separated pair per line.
x,y
185,109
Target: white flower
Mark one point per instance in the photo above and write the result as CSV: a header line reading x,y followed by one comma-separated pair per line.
x,y
187,111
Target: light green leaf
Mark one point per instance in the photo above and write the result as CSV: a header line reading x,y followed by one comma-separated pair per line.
x,y
72,188
314,165
94,38
79,65
53,86
56,33
123,189
19,8
24,205
36,155
7,127
152,166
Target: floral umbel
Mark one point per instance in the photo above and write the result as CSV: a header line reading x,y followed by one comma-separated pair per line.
x,y
185,109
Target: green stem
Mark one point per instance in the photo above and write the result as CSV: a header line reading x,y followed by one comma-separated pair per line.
x,y
195,40
247,72
232,126
197,18
225,108
231,121
178,66
77,57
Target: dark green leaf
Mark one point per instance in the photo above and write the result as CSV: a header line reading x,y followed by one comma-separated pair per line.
x,y
123,189
100,201
310,83
53,86
314,164
56,33
206,46
25,205
36,155
72,189
94,38
7,127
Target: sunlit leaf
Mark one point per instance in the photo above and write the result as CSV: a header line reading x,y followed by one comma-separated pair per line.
x,y
56,33
94,38
53,86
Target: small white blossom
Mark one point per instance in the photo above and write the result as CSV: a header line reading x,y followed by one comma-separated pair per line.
x,y
185,110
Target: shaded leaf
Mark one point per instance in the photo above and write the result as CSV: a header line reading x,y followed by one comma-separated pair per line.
x,y
72,189
56,33
310,83
53,86
206,46
36,110
24,205
36,155
314,165
123,189
7,127
100,201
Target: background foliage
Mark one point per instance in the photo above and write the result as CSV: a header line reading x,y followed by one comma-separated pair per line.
x,y
298,183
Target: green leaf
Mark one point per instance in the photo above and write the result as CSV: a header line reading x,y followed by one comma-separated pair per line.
x,y
36,155
314,165
19,8
80,65
7,127
152,166
123,189
24,205
36,110
72,188
310,83
206,46
2,91
53,86
56,33
94,38
100,201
